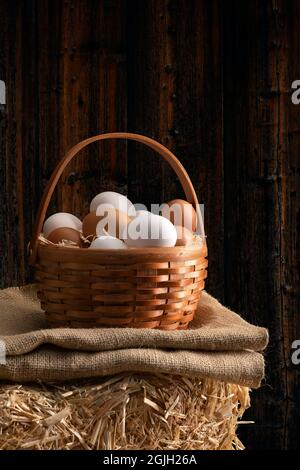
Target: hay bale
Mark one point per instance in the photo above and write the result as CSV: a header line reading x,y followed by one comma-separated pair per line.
x,y
128,411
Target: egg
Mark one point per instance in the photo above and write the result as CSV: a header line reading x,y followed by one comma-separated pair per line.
x,y
59,220
107,242
89,225
113,199
150,231
180,212
184,236
112,221
142,212
65,233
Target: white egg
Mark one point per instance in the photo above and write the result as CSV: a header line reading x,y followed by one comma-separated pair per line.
x,y
142,212
149,230
106,242
61,219
112,199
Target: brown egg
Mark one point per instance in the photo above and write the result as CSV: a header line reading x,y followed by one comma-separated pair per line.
x,y
112,221
65,233
181,212
184,236
89,225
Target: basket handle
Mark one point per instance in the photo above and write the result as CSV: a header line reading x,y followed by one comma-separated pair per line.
x,y
159,148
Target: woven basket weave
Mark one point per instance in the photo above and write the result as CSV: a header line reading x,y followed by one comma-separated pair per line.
x,y
140,288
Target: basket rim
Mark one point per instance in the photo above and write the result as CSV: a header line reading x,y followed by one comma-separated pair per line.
x,y
59,253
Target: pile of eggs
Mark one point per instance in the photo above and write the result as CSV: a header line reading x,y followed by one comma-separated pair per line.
x,y
114,223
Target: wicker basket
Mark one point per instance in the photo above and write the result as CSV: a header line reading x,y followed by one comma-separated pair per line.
x,y
140,288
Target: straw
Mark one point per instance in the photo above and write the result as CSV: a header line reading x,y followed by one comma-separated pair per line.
x,y
128,411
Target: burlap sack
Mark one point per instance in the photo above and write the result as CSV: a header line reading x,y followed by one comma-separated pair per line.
x,y
219,345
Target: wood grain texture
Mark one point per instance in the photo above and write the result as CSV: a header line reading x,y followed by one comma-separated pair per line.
x,y
174,95
212,81
19,147
82,76
260,216
61,87
150,81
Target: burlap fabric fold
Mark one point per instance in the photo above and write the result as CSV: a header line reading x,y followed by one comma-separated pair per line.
x,y
219,344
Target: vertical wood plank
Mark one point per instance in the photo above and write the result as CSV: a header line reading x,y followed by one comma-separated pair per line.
x,y
260,218
19,147
290,219
175,96
27,105
286,36
87,95
3,143
150,81
50,52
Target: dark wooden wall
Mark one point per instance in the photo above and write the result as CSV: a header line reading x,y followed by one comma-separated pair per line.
x,y
210,79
